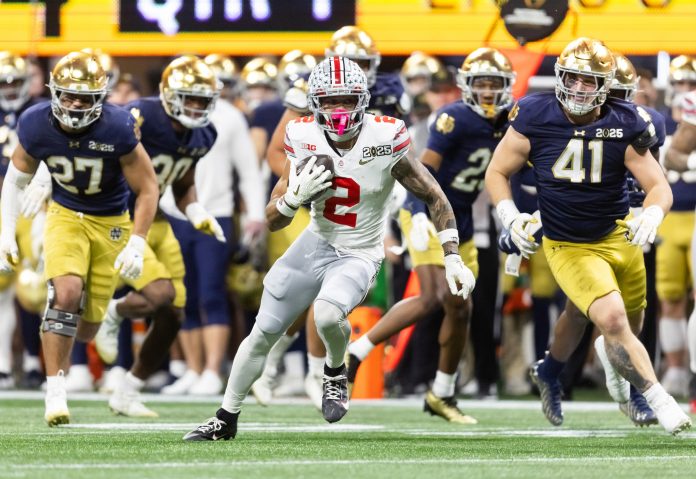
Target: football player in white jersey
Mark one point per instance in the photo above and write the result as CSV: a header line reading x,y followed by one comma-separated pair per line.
x,y
333,262
681,156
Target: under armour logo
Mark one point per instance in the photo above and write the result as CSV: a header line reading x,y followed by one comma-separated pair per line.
x,y
73,144
579,133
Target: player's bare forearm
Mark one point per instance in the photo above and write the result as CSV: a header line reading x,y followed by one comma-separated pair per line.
x,y
651,177
660,195
508,158
682,146
140,176
276,149
418,180
184,190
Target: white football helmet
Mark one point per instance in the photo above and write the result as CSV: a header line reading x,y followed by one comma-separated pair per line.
x,y
338,76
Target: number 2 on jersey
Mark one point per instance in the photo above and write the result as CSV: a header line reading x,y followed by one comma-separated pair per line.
x,y
352,199
471,179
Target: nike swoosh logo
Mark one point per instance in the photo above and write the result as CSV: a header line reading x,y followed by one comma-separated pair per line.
x,y
297,190
363,162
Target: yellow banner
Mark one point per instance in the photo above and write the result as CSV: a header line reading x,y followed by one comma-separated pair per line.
x,y
398,27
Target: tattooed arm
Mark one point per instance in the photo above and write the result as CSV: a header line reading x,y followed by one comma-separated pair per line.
x,y
418,180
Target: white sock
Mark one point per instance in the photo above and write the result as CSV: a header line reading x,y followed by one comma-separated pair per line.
x,y
443,386
56,382
31,363
247,367
132,383
691,334
177,367
275,355
294,364
673,334
315,365
361,347
656,395
8,320
112,309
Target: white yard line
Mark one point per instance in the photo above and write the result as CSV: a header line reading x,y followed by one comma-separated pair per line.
x,y
235,463
526,405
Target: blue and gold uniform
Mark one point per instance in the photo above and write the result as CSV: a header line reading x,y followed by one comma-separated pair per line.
x,y
387,97
466,141
87,224
173,155
581,184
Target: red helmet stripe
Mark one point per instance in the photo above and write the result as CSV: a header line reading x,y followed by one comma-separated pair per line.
x,y
337,70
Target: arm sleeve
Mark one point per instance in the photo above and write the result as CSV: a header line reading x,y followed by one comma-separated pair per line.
x,y
400,144
251,185
689,108
15,181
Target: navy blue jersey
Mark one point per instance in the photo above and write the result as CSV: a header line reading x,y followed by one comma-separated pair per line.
x,y
387,97
466,141
267,116
524,191
8,132
683,185
85,167
172,153
579,170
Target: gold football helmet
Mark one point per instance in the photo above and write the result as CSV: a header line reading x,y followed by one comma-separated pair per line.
x,y
260,71
189,90
418,71
78,75
31,290
108,64
590,64
625,83
224,68
14,82
682,79
295,65
354,43
482,66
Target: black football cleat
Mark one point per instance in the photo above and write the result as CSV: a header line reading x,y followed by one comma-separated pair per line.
x,y
353,366
550,392
215,428
334,402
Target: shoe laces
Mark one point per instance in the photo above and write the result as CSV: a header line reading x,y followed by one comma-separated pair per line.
x,y
640,404
212,425
333,387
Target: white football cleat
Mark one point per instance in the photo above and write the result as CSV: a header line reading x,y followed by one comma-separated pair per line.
x,y
314,387
619,389
79,379
671,416
106,339
112,379
208,384
182,385
56,402
129,404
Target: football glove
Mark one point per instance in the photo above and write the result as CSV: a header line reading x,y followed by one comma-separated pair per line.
x,y
204,221
643,228
37,192
421,229
310,181
457,272
129,262
9,253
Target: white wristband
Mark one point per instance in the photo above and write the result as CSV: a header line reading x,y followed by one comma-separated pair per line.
x,y
284,209
691,161
450,234
507,212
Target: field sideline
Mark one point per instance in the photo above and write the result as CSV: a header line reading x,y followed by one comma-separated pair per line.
x,y
388,438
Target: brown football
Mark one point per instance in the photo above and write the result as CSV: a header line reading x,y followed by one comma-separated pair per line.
x,y
324,160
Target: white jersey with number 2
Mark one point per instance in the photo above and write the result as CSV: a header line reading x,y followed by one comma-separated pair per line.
x,y
351,215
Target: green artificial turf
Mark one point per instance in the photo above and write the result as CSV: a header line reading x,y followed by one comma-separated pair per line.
x,y
393,440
